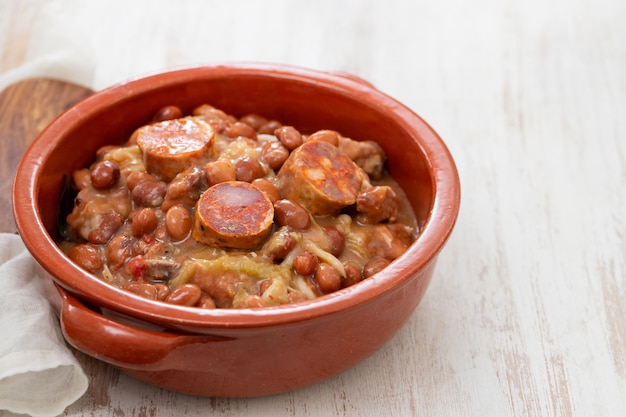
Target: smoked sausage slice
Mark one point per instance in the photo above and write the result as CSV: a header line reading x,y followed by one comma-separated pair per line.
x,y
320,177
171,146
233,214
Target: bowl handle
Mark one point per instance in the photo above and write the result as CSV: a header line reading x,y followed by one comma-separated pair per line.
x,y
120,344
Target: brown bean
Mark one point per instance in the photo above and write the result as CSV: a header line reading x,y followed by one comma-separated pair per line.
x,y
337,240
144,222
289,213
251,301
353,274
135,177
184,295
109,224
374,265
168,113
162,291
269,127
211,113
149,193
142,289
87,257
240,129
254,120
268,188
264,285
329,136
274,154
118,250
328,278
305,263
105,174
248,169
219,171
154,249
289,136
178,222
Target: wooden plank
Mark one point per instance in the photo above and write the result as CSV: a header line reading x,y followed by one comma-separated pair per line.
x,y
26,108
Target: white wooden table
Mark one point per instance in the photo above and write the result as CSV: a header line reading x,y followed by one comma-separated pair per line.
x,y
526,314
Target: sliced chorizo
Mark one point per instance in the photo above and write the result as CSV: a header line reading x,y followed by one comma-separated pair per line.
x,y
172,146
233,214
320,177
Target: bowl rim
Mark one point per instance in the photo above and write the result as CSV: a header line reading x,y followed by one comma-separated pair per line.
x,y
433,235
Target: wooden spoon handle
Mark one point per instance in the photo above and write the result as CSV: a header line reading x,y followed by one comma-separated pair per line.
x,y
26,108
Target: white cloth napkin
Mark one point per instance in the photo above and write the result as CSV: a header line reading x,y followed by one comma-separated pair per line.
x,y
38,373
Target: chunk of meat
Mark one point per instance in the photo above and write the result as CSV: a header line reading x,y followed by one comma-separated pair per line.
x,y
279,245
98,214
390,240
172,146
233,214
185,188
376,204
161,268
366,154
320,177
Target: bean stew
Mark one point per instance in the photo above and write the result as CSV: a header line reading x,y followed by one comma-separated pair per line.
x,y
215,211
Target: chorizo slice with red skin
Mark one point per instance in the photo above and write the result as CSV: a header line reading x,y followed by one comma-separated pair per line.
x,y
172,146
320,177
233,214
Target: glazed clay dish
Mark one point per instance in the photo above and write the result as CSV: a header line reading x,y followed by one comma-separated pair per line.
x,y
253,350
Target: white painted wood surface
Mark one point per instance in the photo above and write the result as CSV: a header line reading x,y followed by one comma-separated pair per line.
x,y
526,314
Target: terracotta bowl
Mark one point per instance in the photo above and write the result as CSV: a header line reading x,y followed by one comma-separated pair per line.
x,y
250,352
